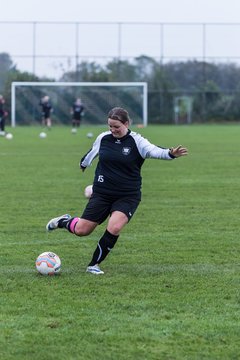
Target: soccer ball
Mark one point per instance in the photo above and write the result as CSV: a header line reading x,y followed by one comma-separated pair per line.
x,y
42,135
74,131
9,136
88,191
48,263
89,135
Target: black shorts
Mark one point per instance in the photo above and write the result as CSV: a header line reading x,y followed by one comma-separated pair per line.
x,y
77,117
46,114
99,207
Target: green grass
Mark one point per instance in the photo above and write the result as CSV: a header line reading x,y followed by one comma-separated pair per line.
x,y
171,285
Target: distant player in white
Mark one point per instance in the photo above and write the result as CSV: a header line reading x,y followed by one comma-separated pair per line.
x,y
117,183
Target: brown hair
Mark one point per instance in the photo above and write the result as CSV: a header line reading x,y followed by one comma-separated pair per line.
x,y
119,114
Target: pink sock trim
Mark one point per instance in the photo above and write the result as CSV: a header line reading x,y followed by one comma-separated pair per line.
x,y
73,224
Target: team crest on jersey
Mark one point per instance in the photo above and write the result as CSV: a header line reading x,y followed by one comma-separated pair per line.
x,y
126,150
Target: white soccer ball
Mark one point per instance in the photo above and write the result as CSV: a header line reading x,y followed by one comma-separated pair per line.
x,y
88,191
42,135
48,263
74,131
89,135
9,136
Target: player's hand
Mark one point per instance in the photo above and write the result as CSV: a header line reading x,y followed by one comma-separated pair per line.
x,y
178,151
83,168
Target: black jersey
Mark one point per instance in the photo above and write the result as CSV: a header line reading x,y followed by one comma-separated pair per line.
x,y
78,110
46,108
118,171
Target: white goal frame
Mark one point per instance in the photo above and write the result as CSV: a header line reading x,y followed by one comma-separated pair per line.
x,y
15,84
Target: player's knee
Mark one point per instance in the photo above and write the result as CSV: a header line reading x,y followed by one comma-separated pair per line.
x,y
82,230
114,229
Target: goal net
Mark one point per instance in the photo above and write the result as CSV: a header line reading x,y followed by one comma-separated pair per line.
x,y
97,97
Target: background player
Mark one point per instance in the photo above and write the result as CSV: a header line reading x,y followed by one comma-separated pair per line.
x,y
3,115
46,111
77,111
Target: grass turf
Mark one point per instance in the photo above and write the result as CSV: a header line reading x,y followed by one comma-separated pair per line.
x,y
171,285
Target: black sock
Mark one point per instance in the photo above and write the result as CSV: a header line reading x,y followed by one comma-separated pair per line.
x,y
2,123
63,223
68,224
105,245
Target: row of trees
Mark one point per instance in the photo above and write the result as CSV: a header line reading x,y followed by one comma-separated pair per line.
x,y
212,90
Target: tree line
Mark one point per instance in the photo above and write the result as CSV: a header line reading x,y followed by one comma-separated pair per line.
x,y
207,92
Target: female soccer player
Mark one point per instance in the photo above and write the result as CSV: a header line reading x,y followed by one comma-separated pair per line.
x,y
3,115
77,111
46,111
117,183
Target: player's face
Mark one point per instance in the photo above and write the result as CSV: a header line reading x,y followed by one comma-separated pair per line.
x,y
117,128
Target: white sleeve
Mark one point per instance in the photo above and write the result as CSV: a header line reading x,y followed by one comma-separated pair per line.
x,y
88,158
148,150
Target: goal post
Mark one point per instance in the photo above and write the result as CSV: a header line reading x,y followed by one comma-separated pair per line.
x,y
98,98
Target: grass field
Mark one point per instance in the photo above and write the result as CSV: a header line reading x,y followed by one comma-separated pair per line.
x,y
171,285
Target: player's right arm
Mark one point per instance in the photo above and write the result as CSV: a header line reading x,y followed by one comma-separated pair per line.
x,y
88,158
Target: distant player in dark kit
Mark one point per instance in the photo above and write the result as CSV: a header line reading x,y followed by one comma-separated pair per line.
x,y
3,115
46,111
117,183
77,111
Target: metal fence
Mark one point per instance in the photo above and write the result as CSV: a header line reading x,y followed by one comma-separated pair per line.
x,y
52,48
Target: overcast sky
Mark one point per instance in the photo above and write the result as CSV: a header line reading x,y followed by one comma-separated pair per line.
x,y
18,40
122,10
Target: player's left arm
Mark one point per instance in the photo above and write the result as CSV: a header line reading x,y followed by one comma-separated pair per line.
x,y
150,151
